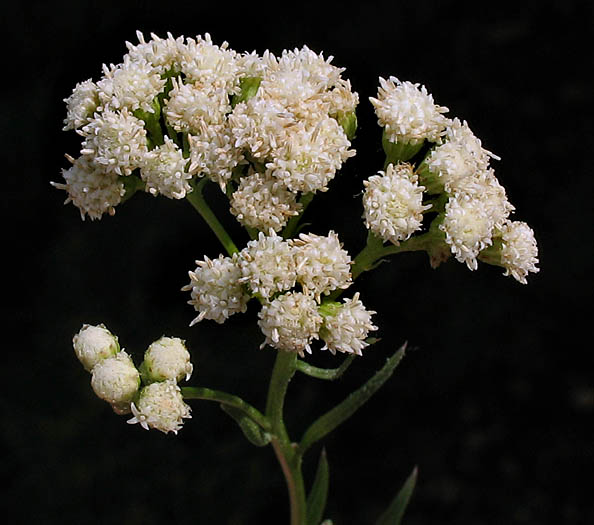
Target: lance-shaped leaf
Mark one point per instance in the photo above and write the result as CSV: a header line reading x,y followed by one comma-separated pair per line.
x,y
394,513
316,499
330,374
252,431
341,412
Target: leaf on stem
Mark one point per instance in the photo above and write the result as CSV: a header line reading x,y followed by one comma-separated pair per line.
x,y
252,431
330,374
316,499
393,515
341,412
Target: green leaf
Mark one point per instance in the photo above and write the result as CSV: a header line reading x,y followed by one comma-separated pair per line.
x,y
251,430
330,374
316,499
248,88
341,412
395,511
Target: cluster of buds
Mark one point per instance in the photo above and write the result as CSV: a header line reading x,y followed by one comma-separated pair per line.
x,y
291,278
437,167
150,392
266,129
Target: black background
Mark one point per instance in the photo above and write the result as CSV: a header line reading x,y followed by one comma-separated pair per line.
x,y
495,404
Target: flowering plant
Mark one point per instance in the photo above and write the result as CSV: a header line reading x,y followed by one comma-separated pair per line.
x,y
271,132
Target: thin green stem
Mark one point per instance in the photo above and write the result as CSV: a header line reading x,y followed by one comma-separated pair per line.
x,y
284,369
196,199
293,223
191,392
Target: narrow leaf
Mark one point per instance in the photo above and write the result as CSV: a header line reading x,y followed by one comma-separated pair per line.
x,y
316,499
395,511
341,412
329,374
252,431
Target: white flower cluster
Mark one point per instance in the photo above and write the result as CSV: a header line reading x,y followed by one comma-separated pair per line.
x,y
454,181
289,276
115,378
265,128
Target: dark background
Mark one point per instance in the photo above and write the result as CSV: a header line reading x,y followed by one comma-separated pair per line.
x,y
495,404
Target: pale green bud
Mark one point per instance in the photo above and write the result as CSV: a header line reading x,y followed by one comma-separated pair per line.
x,y
93,344
116,380
166,358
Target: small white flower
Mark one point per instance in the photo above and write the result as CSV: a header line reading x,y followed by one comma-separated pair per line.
x,y
267,265
347,327
206,63
291,322
93,191
163,171
162,53
93,344
407,112
114,141
263,202
216,290
468,228
160,406
393,203
311,154
133,84
213,153
192,106
81,105
322,264
519,251
166,358
116,379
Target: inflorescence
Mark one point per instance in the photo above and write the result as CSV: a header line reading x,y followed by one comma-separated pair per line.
x,y
271,131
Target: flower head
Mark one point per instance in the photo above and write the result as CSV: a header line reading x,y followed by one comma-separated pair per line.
x,y
519,251
263,202
290,322
133,84
160,406
166,358
267,265
393,203
81,105
114,141
347,326
164,171
468,228
92,344
116,379
92,190
216,290
322,264
407,112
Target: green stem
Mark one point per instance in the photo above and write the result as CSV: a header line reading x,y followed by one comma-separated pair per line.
x,y
293,223
284,369
191,392
196,199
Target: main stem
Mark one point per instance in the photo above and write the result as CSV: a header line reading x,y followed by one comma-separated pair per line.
x,y
284,368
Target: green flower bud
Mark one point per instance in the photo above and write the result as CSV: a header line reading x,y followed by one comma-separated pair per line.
x,y
93,344
166,358
400,151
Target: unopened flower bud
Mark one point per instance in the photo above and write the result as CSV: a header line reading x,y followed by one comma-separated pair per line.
x,y
160,406
166,358
116,379
93,344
